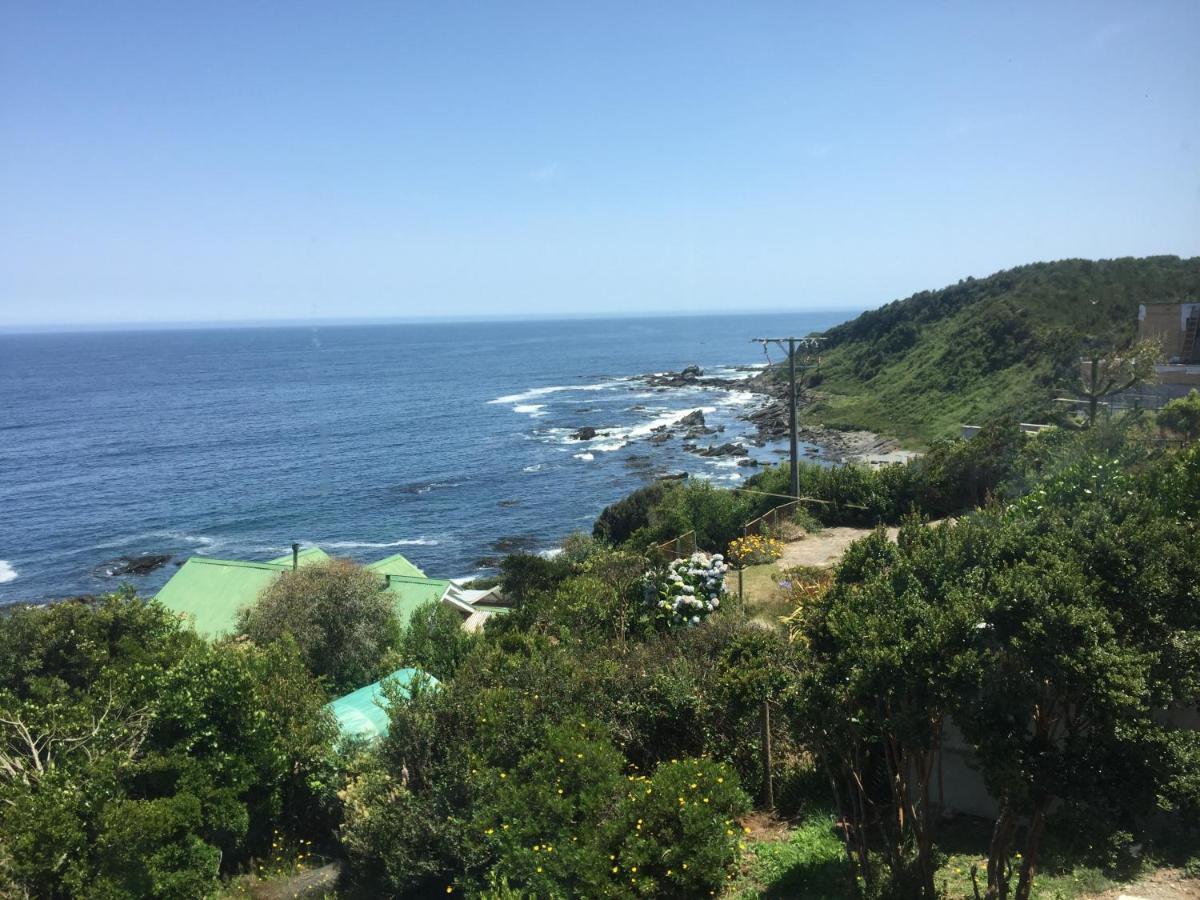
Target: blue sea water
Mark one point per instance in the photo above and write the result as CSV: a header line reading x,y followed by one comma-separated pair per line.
x,y
433,440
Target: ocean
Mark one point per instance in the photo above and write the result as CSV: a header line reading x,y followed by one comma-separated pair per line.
x,y
446,442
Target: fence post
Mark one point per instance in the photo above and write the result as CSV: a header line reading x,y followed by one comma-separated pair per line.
x,y
741,596
768,780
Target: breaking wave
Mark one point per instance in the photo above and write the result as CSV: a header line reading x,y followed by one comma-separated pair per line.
x,y
380,545
7,572
534,393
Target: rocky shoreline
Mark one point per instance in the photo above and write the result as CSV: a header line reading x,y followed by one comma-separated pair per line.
x,y
771,421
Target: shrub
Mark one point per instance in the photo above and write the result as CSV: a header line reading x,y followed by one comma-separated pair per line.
x,y
434,640
1182,416
541,824
524,575
618,521
339,615
676,833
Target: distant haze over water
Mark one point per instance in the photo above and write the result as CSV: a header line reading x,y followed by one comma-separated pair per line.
x,y
430,439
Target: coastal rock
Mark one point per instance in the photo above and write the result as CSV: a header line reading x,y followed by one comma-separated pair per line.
x,y
726,449
132,565
687,375
516,543
693,419
748,461
660,438
699,432
586,433
488,562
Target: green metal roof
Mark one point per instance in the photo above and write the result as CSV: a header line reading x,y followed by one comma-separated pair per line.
x,y
363,713
209,592
395,565
410,592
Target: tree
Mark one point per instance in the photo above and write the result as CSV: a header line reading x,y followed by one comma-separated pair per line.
x,y
339,615
887,657
1115,372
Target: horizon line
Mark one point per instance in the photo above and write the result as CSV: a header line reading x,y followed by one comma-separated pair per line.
x,y
340,321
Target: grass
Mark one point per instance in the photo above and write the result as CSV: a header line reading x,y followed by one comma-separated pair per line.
x,y
808,860
761,595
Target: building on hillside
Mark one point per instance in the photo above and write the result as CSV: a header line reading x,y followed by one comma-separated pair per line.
x,y
362,714
1177,327
209,592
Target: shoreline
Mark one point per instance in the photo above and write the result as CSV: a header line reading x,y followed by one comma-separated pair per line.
x,y
771,420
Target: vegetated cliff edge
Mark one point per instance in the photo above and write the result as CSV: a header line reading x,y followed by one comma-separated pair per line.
x,y
1002,345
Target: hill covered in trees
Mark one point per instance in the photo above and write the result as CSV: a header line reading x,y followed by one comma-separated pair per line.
x,y
1003,345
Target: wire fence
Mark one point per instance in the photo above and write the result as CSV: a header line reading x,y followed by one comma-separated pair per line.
x,y
771,518
676,548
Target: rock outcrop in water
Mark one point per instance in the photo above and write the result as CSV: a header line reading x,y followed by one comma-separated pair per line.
x,y
132,565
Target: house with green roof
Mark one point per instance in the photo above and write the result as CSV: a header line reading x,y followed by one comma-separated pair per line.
x,y
209,592
363,715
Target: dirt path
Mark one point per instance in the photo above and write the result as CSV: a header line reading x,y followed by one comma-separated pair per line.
x,y
1164,884
823,548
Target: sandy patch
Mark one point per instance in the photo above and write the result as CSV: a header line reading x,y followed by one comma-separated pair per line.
x,y
825,547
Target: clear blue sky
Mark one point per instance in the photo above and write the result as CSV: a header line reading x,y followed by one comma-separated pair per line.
x,y
211,161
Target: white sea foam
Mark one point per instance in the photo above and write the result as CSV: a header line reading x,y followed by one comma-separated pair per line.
x,y
425,489
533,393
205,545
379,545
530,409
7,572
586,457
738,398
536,467
611,439
551,553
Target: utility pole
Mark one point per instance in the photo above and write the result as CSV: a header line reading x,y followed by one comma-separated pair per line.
x,y
809,344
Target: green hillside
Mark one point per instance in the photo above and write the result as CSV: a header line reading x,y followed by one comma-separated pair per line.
x,y
1006,344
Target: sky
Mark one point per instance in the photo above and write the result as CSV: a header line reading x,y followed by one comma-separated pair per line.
x,y
168,162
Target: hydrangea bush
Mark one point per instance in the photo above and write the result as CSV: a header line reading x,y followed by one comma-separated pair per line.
x,y
686,591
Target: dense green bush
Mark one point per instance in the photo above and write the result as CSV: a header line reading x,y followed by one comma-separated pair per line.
x,y
339,615
1053,632
618,521
136,760
1182,416
677,833
434,640
522,575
